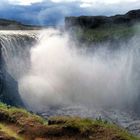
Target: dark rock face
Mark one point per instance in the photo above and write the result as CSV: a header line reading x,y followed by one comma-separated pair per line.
x,y
86,21
96,21
8,87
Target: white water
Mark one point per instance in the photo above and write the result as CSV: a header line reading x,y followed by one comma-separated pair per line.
x,y
16,50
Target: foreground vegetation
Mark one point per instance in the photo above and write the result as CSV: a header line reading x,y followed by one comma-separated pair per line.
x,y
18,124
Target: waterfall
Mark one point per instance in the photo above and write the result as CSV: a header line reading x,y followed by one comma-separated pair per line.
x,y
50,60
14,62
58,77
16,47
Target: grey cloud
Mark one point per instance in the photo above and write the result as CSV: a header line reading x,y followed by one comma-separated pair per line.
x,y
51,13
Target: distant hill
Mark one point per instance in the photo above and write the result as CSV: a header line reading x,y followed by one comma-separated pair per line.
x,y
6,24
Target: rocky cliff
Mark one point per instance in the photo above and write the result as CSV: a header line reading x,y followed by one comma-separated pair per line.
x,y
129,18
96,29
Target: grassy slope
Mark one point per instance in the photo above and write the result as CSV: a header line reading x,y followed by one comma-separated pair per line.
x,y
18,124
105,33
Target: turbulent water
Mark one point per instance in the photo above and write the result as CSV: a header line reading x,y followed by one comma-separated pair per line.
x,y
57,77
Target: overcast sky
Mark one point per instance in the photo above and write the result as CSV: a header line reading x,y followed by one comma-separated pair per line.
x,y
52,12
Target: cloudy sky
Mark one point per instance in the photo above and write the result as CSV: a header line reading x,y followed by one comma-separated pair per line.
x,y
52,12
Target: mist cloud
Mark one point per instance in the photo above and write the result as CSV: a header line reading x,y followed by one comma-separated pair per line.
x,y
61,75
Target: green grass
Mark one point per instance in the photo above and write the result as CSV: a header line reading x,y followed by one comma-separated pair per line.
x,y
105,33
73,122
35,126
91,126
9,132
116,129
19,115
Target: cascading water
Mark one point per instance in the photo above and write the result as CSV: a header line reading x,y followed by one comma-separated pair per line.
x,y
16,47
14,63
58,78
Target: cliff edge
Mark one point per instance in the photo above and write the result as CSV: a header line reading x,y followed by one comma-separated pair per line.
x,y
129,18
